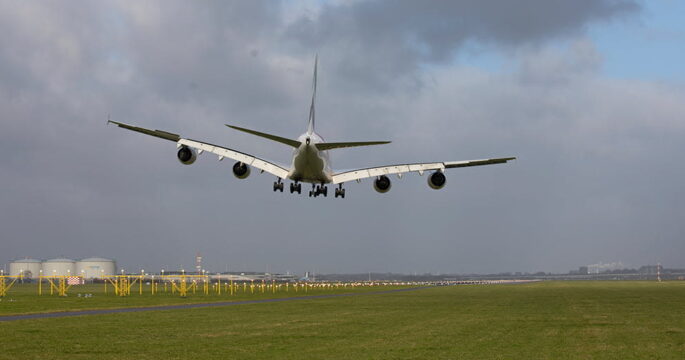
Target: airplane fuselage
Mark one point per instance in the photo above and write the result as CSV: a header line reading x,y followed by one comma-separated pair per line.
x,y
309,163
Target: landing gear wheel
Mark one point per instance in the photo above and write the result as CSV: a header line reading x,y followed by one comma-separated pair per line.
x,y
278,185
299,188
325,191
292,188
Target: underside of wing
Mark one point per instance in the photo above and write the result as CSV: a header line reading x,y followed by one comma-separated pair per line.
x,y
246,159
406,168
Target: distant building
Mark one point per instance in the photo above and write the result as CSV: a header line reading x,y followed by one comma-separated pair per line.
x,y
649,269
583,270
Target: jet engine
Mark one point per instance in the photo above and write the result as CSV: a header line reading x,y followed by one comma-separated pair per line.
x,y
437,180
186,155
382,184
240,170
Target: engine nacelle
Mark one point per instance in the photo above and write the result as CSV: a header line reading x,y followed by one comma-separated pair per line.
x,y
437,180
382,184
241,170
186,155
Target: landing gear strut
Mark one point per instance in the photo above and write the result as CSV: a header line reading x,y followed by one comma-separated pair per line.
x,y
296,187
340,191
278,185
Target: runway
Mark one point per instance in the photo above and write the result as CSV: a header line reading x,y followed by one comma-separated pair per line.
x,y
62,314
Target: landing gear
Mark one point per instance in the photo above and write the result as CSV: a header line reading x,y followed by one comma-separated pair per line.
x,y
278,185
340,191
318,190
296,187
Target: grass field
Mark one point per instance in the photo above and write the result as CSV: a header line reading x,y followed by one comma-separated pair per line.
x,y
23,298
546,320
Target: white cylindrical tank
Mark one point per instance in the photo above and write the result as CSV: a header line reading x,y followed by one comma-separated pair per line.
x,y
59,267
92,268
30,268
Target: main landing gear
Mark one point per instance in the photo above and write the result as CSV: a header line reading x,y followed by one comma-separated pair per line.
x,y
340,191
278,185
296,187
318,190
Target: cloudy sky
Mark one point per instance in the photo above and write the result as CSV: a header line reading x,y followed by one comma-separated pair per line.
x,y
588,94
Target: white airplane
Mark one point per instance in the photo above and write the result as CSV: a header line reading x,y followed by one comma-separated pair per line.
x,y
310,162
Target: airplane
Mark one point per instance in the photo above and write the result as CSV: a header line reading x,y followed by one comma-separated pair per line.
x,y
310,160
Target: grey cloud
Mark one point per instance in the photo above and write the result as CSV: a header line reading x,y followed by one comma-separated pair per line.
x,y
379,41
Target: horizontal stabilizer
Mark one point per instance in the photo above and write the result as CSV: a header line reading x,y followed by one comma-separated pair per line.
x,y
293,143
338,145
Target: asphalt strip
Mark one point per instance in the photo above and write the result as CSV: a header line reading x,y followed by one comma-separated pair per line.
x,y
62,314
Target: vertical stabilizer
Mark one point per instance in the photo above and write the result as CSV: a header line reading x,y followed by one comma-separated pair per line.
x,y
312,115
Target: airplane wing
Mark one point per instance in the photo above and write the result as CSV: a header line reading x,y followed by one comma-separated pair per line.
x,y
201,147
405,168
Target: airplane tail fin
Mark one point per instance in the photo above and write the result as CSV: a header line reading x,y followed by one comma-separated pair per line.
x,y
312,114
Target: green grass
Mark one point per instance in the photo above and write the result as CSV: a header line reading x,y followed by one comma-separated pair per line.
x,y
549,320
